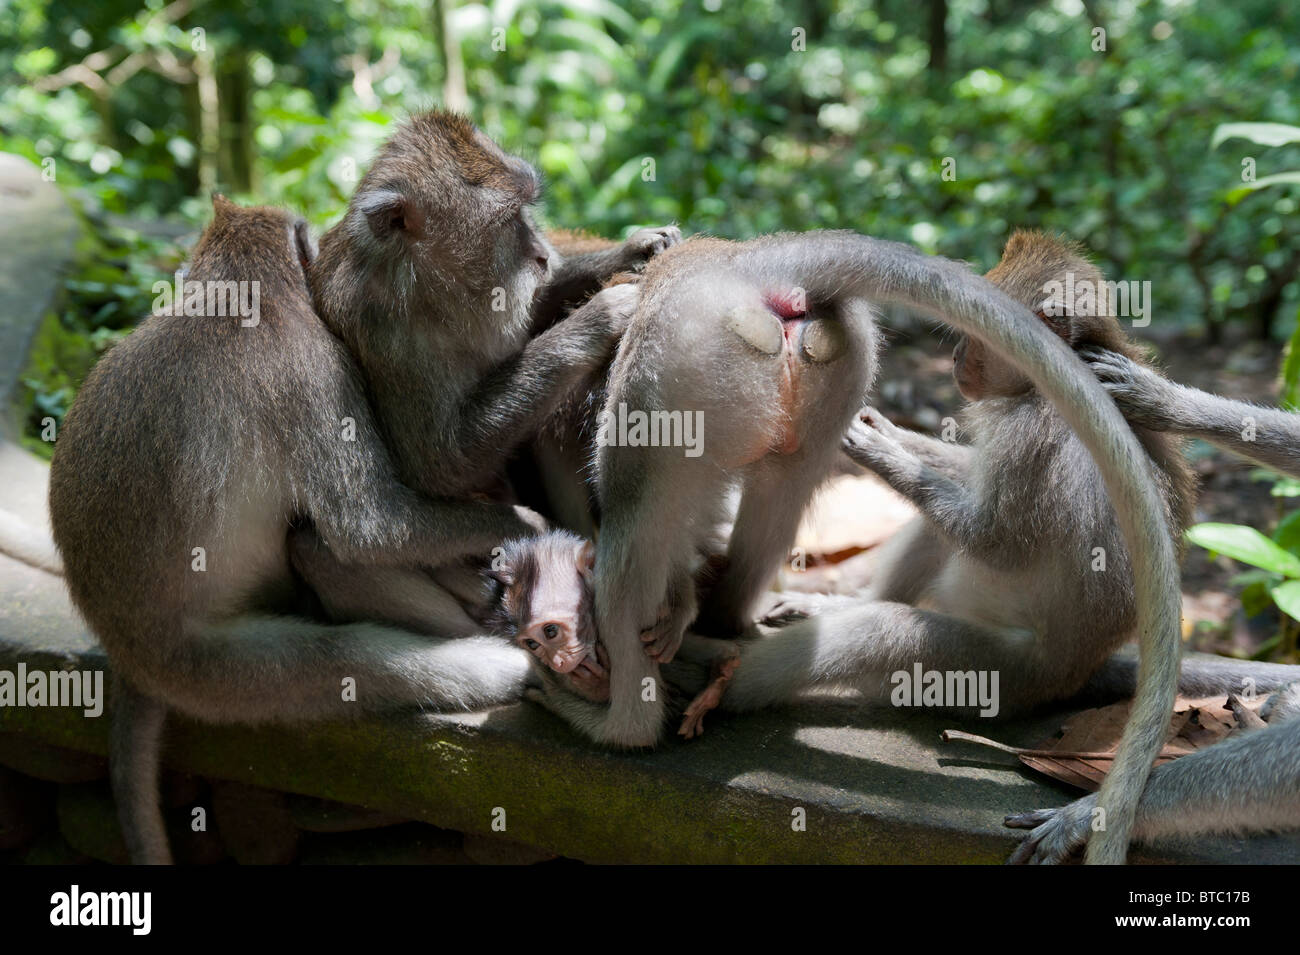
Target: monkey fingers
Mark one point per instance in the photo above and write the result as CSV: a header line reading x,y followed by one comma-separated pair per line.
x,y
1055,834
720,674
871,447
645,244
659,641
591,677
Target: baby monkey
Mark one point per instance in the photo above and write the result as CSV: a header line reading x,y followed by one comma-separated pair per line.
x,y
541,594
541,597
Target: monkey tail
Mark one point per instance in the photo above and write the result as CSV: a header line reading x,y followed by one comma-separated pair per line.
x,y
135,759
28,543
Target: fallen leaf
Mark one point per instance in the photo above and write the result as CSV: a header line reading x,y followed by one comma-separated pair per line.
x,y
1082,753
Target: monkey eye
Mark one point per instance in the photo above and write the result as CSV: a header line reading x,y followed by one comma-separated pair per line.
x,y
551,631
531,644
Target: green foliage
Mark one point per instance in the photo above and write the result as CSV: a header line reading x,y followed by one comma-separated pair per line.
x,y
1276,583
703,112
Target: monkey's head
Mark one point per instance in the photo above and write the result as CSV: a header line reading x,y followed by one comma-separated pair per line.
x,y
445,213
1069,295
544,598
275,241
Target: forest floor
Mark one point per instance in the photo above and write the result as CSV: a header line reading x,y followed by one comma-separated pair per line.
x,y
915,390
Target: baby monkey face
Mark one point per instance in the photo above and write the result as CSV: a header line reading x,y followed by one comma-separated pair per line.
x,y
547,598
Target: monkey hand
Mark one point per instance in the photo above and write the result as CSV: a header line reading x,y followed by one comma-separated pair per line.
x,y
590,680
662,639
791,605
611,310
873,441
1144,397
644,244
1055,834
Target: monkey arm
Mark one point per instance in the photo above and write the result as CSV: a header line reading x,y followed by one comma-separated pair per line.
x,y
1264,435
507,407
578,276
940,497
948,458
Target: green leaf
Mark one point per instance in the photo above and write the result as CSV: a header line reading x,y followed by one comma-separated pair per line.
x,y
1245,544
1257,597
1287,598
1291,370
1266,134
1286,487
1287,533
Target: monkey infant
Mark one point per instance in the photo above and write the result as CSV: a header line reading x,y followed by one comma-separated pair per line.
x,y
540,594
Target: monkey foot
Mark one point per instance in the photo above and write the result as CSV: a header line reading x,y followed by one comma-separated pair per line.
x,y
720,674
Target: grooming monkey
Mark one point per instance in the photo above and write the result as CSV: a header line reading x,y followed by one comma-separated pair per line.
x,y
733,296
1249,782
1001,569
369,425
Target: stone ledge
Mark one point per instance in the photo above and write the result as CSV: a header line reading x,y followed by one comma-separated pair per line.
x,y
876,784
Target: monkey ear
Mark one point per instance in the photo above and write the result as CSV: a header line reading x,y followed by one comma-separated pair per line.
x,y
1057,316
388,212
586,559
303,242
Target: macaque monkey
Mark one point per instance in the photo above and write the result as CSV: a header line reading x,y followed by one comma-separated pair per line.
x,y
1249,782
740,332
369,410
540,596
542,599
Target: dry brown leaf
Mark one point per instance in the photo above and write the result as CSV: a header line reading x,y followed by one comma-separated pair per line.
x,y
1082,753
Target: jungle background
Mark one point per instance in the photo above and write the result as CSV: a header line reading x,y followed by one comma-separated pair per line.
x,y
757,116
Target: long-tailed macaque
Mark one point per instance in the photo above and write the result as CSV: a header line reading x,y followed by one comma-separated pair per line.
x,y
738,331
370,407
1251,781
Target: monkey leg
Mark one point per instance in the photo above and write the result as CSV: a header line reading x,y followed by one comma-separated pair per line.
x,y
776,492
656,504
262,669
1117,677
405,597
863,646
135,745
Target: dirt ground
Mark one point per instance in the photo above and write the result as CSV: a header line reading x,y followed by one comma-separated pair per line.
x,y
915,390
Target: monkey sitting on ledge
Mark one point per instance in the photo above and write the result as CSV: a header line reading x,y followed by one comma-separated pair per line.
x,y
1251,781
